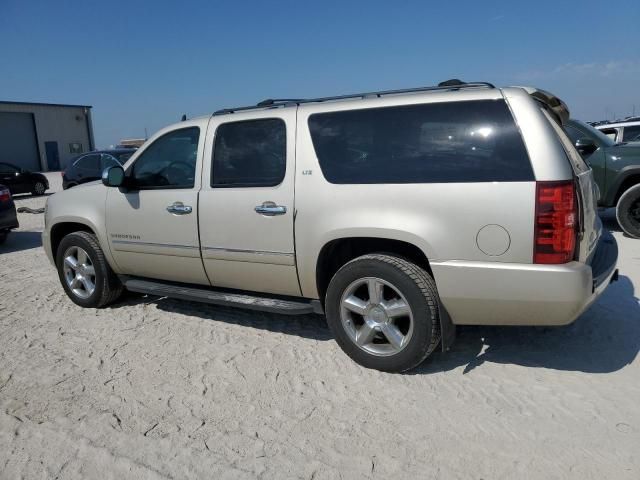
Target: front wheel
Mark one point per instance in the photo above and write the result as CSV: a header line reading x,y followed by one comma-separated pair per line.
x,y
84,273
628,211
39,188
383,312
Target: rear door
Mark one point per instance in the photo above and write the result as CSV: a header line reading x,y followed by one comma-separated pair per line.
x,y
247,202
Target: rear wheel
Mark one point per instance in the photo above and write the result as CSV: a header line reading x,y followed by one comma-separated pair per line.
x,y
84,273
39,188
628,211
383,312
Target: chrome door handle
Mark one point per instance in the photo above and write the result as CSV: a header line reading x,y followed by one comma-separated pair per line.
x,y
270,209
178,208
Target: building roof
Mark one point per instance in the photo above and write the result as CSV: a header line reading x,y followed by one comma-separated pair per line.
x,y
41,104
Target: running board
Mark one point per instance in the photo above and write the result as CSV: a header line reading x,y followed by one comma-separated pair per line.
x,y
285,306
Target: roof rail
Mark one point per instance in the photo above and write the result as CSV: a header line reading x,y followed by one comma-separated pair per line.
x,y
453,84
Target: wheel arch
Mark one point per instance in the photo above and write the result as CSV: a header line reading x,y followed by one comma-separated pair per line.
x,y
337,252
627,178
62,229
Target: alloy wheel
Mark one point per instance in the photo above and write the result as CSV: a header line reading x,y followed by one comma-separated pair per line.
x,y
79,272
376,316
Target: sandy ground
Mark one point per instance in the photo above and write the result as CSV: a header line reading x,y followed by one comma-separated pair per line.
x,y
158,388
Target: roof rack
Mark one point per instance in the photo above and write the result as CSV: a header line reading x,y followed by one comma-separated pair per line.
x,y
453,84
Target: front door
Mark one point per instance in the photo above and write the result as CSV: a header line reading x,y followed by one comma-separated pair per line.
x,y
152,224
53,155
246,202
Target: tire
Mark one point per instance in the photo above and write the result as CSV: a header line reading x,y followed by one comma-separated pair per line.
x,y
39,188
3,236
402,283
107,287
628,211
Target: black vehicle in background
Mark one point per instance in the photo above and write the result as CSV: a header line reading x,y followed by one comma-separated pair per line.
x,y
8,217
18,180
89,166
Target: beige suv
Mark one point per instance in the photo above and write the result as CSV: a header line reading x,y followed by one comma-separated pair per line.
x,y
398,214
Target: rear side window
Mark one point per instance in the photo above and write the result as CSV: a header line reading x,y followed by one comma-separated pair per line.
x,y
630,133
89,162
474,141
250,153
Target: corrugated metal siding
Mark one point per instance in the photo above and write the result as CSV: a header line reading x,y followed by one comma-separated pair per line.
x,y
57,123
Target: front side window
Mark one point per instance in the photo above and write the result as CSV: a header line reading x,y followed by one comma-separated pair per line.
x,y
612,133
250,153
169,162
630,133
573,133
123,157
109,161
475,141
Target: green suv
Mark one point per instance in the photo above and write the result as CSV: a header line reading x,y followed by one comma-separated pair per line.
x,y
616,170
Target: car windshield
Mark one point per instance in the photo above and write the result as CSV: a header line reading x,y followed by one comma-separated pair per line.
x,y
594,133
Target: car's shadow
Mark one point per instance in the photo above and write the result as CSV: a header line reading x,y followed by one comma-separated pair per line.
x,y
18,241
306,326
604,339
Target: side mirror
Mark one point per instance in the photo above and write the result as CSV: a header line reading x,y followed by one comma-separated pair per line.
x,y
113,176
585,146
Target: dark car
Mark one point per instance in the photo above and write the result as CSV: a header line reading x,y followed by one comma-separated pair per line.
x,y
19,180
616,170
89,166
8,217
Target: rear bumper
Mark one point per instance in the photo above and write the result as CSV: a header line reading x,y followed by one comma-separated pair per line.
x,y
492,293
8,217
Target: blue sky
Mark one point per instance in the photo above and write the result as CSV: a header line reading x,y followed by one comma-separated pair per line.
x,y
143,64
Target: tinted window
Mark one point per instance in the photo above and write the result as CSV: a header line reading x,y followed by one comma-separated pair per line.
x,y
169,162
250,154
440,142
123,157
629,133
89,162
573,133
109,161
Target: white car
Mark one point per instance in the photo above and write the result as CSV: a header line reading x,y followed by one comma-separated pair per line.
x,y
627,131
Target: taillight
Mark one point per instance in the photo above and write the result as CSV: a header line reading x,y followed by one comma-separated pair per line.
x,y
5,195
555,223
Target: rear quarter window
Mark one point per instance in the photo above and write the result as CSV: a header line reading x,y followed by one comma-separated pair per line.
x,y
470,141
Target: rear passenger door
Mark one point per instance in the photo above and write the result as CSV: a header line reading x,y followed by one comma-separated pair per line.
x,y
247,202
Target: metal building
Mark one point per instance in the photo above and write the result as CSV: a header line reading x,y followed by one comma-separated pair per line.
x,y
44,136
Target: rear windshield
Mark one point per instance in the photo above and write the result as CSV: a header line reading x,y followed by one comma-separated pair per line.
x,y
470,141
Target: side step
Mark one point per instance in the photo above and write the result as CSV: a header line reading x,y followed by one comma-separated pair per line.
x,y
282,305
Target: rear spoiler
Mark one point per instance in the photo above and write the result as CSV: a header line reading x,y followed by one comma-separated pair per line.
x,y
555,106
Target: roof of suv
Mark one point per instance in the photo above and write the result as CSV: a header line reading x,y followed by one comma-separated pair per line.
x,y
449,85
555,104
